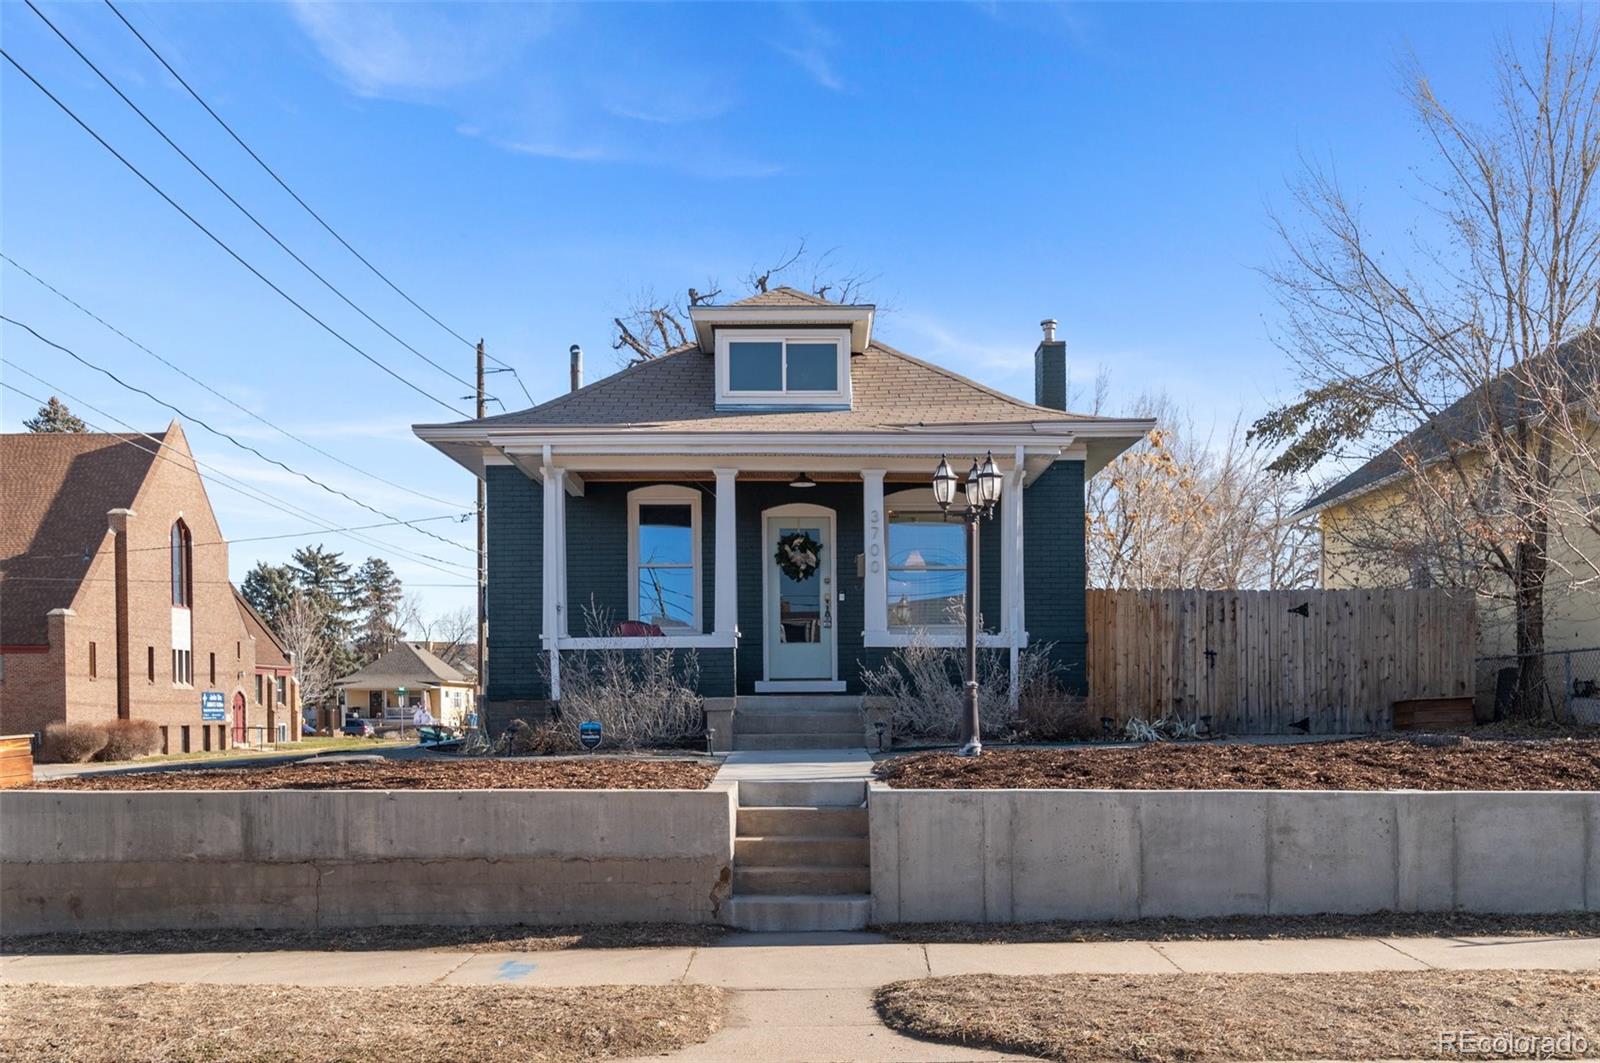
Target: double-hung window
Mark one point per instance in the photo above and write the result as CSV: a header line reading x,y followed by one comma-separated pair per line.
x,y
927,571
664,557
770,367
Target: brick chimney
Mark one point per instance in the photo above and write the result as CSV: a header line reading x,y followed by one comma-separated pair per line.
x,y
1050,369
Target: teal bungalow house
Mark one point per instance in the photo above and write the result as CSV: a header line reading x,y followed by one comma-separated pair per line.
x,y
762,496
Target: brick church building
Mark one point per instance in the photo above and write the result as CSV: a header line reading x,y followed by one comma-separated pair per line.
x,y
115,600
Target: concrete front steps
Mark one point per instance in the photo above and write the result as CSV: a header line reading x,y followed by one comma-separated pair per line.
x,y
798,721
800,860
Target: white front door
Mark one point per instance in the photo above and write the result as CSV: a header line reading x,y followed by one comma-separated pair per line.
x,y
800,613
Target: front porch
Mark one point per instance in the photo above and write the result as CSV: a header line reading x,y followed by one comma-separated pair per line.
x,y
677,552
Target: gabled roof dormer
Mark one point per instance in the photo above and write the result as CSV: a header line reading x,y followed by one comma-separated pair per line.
x,y
783,349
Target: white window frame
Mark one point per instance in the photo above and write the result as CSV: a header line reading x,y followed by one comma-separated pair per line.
x,y
839,397
665,494
912,501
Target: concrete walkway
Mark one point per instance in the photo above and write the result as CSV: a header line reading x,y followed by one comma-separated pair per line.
x,y
805,997
796,765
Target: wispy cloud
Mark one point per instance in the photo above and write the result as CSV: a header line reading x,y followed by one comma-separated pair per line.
x,y
810,45
409,49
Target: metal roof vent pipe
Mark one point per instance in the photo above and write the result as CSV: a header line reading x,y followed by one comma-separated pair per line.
x,y
577,366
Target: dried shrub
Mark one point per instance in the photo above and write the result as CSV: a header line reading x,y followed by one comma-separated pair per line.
x,y
1047,712
523,739
643,696
127,739
73,743
924,688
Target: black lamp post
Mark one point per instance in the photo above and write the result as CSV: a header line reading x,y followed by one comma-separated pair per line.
x,y
982,495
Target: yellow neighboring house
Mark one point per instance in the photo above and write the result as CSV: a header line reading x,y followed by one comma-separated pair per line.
x,y
1376,525
389,691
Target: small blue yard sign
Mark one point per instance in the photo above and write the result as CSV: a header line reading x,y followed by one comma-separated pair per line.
x,y
589,732
213,706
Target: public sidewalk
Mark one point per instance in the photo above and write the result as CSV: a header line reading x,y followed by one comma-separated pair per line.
x,y
805,998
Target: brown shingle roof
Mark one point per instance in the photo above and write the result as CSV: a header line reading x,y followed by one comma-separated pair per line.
x,y
676,392
783,296
55,489
1572,365
405,665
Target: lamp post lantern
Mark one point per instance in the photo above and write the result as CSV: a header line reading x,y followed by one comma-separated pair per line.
x,y
982,490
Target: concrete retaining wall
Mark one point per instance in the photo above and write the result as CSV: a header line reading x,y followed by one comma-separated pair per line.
x,y
1024,855
92,860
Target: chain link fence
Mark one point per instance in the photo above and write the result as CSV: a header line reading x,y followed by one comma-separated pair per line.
x,y
1571,686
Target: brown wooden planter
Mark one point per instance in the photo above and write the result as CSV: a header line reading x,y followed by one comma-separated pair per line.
x,y
16,761
1429,714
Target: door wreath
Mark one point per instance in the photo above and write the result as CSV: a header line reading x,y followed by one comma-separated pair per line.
x,y
798,555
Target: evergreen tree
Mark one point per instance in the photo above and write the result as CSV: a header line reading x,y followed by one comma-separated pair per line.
x,y
54,416
378,599
323,578
269,589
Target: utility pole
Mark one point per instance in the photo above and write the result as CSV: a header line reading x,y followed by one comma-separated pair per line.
x,y
483,578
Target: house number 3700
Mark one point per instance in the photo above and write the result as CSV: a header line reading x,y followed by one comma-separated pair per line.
x,y
874,540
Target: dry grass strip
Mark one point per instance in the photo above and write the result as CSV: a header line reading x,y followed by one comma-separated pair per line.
x,y
374,938
1198,1018
1251,927
162,1023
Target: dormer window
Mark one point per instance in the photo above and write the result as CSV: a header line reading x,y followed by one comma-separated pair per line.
x,y
783,367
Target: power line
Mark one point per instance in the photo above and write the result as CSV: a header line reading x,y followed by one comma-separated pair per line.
x,y
4,579
320,220
211,428
229,197
274,175
258,538
225,480
221,395
218,240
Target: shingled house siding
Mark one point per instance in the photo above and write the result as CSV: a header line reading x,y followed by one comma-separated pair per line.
x,y
515,601
1054,570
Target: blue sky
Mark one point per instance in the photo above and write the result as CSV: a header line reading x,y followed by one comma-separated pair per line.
x,y
523,171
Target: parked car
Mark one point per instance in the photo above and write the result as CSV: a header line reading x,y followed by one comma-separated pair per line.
x,y
359,728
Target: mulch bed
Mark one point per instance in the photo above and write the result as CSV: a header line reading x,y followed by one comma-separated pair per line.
x,y
1357,764
575,773
400,1024
1198,1018
1254,927
368,939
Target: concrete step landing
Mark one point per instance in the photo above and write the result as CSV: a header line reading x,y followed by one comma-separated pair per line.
x,y
798,912
799,740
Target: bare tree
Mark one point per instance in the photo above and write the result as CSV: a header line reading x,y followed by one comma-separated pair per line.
x,y
449,636
653,325
1182,509
301,625
1429,347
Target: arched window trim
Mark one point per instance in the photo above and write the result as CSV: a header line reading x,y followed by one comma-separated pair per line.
x,y
182,565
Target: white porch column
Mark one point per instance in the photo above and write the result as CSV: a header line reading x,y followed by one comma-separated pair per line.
x,y
1011,607
875,537
554,574
726,577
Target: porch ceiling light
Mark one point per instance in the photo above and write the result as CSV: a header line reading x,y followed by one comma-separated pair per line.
x,y
944,484
802,481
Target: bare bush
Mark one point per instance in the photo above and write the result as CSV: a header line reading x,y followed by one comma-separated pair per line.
x,y
644,696
73,743
1048,712
925,689
127,739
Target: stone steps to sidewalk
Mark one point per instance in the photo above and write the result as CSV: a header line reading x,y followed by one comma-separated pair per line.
x,y
798,723
761,703
785,793
798,850
804,913
804,820
805,740
801,879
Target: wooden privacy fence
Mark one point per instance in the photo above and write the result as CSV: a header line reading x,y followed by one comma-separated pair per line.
x,y
1258,661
